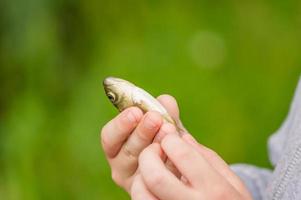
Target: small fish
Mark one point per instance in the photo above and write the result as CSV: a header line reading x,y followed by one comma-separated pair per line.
x,y
124,94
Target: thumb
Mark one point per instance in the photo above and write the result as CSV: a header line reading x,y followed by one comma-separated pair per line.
x,y
171,105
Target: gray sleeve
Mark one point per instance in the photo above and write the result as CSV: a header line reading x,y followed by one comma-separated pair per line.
x,y
256,179
279,140
285,154
265,184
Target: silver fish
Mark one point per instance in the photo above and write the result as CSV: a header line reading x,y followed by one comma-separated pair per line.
x,y
124,94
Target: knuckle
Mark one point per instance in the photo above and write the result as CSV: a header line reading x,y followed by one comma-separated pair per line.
x,y
129,153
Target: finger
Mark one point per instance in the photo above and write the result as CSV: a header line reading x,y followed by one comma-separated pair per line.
x,y
217,162
191,164
127,159
164,130
171,105
159,180
139,190
115,132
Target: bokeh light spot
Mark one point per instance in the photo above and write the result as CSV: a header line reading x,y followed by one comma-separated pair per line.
x,y
207,49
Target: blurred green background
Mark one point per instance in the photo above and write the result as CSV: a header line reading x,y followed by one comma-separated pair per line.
x,y
232,65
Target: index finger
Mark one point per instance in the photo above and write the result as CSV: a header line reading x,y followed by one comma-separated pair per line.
x,y
189,162
116,131
171,105
158,179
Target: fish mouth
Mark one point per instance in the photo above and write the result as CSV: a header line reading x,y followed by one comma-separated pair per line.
x,y
108,81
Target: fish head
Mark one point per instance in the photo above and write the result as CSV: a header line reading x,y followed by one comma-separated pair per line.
x,y
119,92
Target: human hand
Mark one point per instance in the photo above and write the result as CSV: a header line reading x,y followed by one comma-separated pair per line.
x,y
204,175
125,136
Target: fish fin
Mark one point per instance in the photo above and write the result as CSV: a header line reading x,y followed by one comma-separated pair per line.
x,y
142,106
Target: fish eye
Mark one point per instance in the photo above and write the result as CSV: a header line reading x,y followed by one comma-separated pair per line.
x,y
111,96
